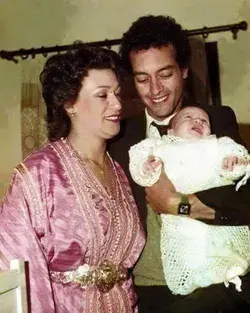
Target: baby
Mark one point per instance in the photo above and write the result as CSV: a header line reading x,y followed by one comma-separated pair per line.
x,y
194,160
195,254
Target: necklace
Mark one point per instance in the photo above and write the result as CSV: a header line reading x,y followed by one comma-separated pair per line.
x,y
81,156
101,168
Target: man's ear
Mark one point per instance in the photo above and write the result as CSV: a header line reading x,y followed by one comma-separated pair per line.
x,y
185,73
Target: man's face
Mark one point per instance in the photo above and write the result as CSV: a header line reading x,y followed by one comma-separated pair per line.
x,y
159,80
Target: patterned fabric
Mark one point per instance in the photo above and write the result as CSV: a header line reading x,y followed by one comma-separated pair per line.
x,y
33,108
57,216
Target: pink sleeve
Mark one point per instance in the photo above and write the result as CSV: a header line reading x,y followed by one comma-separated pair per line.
x,y
20,238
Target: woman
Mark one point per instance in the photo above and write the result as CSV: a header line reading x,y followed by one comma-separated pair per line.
x,y
69,210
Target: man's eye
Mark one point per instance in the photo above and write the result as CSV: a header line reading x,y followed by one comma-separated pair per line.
x,y
166,75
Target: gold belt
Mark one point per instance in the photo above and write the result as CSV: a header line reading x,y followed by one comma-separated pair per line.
x,y
104,276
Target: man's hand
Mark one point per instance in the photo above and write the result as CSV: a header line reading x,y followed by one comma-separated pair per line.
x,y
160,195
163,198
199,210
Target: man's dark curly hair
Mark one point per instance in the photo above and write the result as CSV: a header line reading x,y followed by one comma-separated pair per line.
x,y
62,79
155,31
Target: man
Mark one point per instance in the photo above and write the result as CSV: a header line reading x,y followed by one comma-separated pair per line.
x,y
155,50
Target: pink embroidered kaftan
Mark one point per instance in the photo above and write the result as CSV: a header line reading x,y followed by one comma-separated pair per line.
x,y
57,216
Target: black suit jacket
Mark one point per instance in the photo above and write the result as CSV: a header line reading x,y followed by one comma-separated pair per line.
x,y
232,208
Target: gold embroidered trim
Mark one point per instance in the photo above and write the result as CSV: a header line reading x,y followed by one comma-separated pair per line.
x,y
32,192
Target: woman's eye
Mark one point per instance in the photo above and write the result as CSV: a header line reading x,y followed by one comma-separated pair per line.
x,y
103,96
141,80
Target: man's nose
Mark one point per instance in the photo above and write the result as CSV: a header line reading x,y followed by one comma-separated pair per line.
x,y
156,86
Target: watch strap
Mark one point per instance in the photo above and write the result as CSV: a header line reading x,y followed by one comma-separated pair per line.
x,y
184,205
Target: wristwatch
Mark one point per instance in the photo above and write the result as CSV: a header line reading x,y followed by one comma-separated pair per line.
x,y
184,206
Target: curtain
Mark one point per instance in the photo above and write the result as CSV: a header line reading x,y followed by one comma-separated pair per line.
x,y
198,78
33,126
33,110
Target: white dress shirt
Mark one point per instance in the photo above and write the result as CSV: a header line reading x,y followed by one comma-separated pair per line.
x,y
151,130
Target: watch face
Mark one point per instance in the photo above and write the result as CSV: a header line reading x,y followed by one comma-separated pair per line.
x,y
184,209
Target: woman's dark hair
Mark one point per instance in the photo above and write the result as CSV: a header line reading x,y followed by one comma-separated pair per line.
x,y
155,31
61,81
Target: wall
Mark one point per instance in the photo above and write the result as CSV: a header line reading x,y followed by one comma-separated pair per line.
x,y
23,24
28,23
9,121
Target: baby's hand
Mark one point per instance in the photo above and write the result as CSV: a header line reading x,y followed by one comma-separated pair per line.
x,y
151,164
228,163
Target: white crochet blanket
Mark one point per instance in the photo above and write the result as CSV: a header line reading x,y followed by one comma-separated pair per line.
x,y
194,254
192,166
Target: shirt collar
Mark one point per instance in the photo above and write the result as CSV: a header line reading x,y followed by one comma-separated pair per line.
x,y
150,119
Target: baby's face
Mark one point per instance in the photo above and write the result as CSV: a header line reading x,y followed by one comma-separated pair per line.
x,y
191,123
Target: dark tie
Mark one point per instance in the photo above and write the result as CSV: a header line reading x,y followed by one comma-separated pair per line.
x,y
162,129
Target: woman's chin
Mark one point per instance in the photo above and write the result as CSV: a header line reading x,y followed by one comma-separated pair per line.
x,y
112,132
115,132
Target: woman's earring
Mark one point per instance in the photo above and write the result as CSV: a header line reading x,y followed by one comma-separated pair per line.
x,y
72,112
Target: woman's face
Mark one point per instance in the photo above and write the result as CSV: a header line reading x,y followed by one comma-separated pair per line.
x,y
98,107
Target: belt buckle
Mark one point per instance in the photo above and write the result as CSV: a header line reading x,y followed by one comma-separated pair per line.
x,y
107,275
